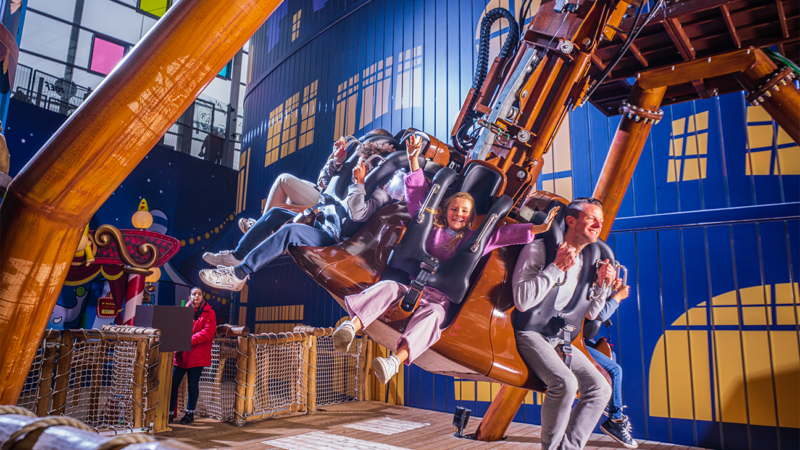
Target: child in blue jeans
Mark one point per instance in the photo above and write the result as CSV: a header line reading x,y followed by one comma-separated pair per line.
x,y
617,425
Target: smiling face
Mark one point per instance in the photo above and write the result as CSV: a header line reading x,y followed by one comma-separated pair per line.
x,y
587,226
458,213
196,297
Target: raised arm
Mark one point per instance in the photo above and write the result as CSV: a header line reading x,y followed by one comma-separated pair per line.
x,y
516,234
360,208
333,164
417,188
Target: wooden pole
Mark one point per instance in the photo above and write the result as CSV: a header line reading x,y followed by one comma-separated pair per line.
x,y
167,360
62,374
139,380
241,381
312,375
625,150
251,375
779,96
500,413
59,190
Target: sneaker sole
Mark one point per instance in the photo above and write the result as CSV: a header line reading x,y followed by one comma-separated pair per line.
x,y
227,287
342,340
624,444
216,263
380,371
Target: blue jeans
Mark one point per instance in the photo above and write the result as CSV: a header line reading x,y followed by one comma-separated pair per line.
x,y
613,369
193,382
295,235
271,220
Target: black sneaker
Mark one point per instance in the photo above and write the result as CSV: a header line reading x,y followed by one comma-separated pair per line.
x,y
187,418
619,431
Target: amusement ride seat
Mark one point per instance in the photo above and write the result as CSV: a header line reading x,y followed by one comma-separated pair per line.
x,y
410,258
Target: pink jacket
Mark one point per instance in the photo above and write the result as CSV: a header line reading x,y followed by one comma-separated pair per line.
x,y
417,188
203,330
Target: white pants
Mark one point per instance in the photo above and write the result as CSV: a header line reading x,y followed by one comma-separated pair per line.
x,y
291,190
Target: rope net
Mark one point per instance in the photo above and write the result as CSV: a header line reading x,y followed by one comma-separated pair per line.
x,y
30,391
91,376
100,388
339,374
217,383
279,381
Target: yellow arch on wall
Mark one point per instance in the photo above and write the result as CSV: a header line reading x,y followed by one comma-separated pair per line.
x,y
749,370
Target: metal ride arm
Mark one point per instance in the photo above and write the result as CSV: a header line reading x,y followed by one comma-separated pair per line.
x,y
520,106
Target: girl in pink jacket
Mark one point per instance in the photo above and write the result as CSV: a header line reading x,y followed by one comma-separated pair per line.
x,y
452,228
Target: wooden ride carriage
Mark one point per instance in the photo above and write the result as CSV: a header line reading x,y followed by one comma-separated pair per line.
x,y
629,56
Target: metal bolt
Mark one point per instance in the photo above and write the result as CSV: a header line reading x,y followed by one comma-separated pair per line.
x,y
783,82
760,99
630,115
673,67
709,59
768,94
754,103
521,174
637,118
638,75
776,88
524,94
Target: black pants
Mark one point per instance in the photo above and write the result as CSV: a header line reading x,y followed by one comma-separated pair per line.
x,y
194,387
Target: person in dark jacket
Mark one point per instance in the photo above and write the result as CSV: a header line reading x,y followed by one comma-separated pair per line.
x,y
191,363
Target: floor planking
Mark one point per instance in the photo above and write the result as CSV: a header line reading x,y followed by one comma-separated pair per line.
x,y
300,432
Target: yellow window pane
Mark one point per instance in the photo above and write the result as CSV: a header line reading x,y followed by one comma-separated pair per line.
x,y
759,136
758,114
789,160
155,7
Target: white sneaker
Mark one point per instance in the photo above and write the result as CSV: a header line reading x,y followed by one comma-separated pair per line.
x,y
223,278
224,258
246,224
343,336
386,368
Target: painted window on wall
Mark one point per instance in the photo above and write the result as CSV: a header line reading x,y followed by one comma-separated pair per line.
x,y
154,7
105,55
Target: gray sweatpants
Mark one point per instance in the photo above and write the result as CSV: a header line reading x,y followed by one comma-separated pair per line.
x,y
562,429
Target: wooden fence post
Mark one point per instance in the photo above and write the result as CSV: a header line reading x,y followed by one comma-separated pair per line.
x,y
312,376
363,393
251,375
304,374
62,374
166,362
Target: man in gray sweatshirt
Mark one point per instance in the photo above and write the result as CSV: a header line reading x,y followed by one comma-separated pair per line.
x,y
547,287
256,251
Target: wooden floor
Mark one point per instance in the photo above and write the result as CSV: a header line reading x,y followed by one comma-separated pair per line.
x,y
365,425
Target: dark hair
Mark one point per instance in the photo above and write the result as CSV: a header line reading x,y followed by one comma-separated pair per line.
x,y
198,311
368,149
193,288
577,205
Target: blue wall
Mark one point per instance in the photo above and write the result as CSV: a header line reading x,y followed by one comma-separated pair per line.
x,y
709,227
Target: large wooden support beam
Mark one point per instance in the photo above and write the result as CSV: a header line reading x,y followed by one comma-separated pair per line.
x,y
500,413
625,151
56,194
776,91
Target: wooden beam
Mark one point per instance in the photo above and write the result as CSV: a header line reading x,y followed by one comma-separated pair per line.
x,y
597,61
726,15
635,50
782,19
701,89
679,38
698,69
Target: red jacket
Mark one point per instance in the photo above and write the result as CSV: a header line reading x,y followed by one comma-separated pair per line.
x,y
203,330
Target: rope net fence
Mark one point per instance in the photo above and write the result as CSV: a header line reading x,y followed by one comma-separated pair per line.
x,y
111,379
100,377
339,374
